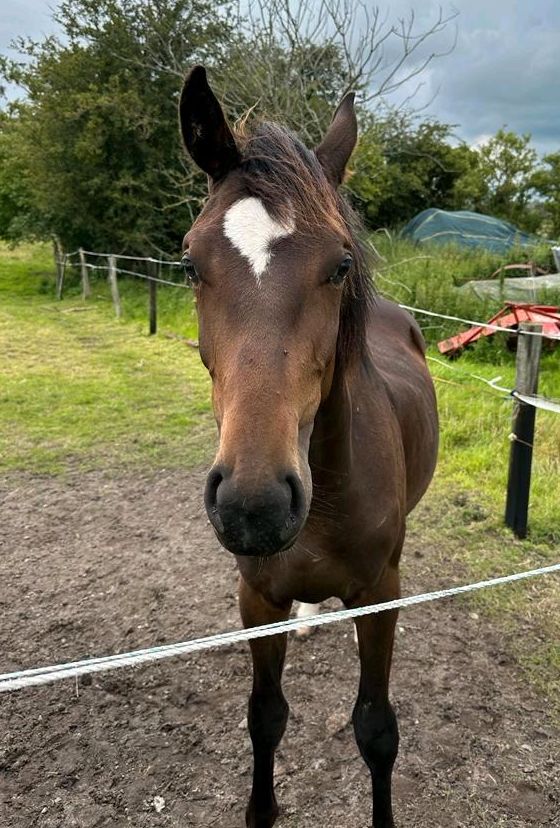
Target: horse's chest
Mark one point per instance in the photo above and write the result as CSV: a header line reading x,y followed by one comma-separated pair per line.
x,y
312,572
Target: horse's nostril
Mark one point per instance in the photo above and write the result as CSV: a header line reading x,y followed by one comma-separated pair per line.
x,y
213,481
251,519
297,502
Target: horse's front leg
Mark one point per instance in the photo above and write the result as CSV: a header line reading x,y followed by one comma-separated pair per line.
x,y
375,723
268,709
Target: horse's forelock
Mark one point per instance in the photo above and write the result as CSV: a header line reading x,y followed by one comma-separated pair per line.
x,y
278,169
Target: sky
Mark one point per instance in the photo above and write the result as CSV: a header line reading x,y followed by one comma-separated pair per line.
x,y
503,71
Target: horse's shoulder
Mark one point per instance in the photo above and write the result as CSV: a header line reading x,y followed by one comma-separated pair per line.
x,y
392,327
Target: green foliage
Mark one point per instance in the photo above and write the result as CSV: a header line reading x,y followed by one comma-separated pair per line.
x,y
369,177
402,167
98,133
546,181
430,277
16,208
298,85
98,161
501,182
92,157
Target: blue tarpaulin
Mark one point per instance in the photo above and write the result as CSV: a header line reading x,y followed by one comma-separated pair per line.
x,y
466,229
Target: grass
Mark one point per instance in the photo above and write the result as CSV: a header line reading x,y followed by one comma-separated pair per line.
x,y
465,541
79,389
434,278
475,436
475,420
462,517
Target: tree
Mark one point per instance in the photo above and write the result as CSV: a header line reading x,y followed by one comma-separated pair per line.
x,y
403,166
97,136
546,182
18,219
292,62
98,130
500,183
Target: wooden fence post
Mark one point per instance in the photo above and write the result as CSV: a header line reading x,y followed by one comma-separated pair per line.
x,y
86,289
112,276
152,288
523,430
55,258
60,264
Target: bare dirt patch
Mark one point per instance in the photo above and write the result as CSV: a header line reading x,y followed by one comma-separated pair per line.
x,y
93,564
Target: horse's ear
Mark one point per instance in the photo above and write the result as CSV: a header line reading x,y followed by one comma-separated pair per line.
x,y
204,128
336,147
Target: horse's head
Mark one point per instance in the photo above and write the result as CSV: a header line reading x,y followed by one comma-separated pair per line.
x,y
271,260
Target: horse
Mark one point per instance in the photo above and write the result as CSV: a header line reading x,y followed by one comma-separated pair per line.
x,y
325,409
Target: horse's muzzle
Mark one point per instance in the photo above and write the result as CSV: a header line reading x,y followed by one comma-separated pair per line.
x,y
255,522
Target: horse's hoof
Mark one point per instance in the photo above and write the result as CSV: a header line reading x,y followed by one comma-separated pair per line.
x,y
304,632
261,820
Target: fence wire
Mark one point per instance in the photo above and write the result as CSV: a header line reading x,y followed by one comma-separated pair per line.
x,y
411,308
21,679
537,401
44,675
534,400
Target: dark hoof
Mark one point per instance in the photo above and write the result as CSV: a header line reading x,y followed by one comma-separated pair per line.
x,y
261,819
383,822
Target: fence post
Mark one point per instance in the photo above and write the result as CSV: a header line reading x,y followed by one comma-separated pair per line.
x,y
56,268
57,252
61,279
523,430
86,289
112,276
60,263
152,288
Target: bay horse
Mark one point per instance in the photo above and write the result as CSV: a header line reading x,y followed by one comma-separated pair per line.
x,y
325,409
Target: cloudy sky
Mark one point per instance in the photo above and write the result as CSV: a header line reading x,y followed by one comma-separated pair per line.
x,y
504,70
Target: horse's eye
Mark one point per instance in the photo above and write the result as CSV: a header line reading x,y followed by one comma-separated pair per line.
x,y
189,267
338,276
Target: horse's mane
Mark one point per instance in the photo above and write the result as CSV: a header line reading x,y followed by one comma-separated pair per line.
x,y
277,168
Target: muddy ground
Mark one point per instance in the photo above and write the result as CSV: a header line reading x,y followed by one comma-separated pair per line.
x,y
92,565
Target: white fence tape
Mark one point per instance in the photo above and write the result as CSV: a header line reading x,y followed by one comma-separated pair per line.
x,y
476,324
535,400
538,402
57,672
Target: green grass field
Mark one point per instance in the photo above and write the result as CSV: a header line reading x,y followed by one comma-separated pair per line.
x,y
80,390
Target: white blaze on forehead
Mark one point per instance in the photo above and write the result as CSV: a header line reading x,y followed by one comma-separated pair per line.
x,y
252,231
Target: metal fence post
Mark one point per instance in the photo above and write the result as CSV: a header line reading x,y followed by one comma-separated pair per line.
x,y
523,430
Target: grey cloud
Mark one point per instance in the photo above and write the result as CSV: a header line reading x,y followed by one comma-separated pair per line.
x,y
505,68
30,18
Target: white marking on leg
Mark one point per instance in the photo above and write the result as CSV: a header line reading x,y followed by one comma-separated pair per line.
x,y
304,611
252,231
